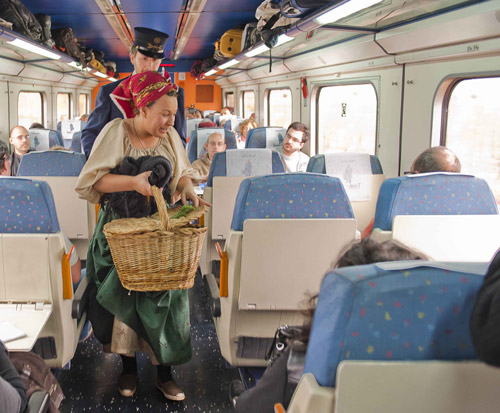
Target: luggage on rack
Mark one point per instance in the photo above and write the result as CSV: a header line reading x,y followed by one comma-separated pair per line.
x,y
67,43
250,36
46,22
23,20
230,43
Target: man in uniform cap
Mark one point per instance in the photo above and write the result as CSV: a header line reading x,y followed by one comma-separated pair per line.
x,y
146,54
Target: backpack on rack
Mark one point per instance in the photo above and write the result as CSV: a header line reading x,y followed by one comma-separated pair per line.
x,y
23,20
67,43
46,22
299,8
250,36
230,43
37,376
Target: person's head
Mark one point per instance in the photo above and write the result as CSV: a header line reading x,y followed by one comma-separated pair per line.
x,y
20,139
147,51
215,143
190,113
245,126
36,125
296,136
4,159
57,148
198,114
151,99
436,159
226,111
84,117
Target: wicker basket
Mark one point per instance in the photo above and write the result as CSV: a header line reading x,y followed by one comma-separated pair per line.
x,y
156,256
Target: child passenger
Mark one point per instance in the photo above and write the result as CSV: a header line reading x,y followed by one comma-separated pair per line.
x,y
128,321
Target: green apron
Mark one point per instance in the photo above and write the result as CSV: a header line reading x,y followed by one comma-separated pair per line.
x,y
161,318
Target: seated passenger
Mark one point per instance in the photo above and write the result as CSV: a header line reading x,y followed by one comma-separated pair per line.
x,y
435,159
20,139
281,378
225,114
198,114
4,159
190,113
485,317
84,117
215,143
13,397
296,136
245,126
36,125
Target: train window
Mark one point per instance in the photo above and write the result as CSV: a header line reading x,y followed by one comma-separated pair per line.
x,y
280,100
473,128
230,99
82,104
347,119
29,108
63,106
248,100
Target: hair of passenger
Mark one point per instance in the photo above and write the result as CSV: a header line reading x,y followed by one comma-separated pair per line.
x,y
13,128
36,125
365,252
300,127
4,153
247,122
216,133
437,159
229,108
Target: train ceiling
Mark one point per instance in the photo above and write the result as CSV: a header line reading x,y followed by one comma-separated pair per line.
x,y
107,25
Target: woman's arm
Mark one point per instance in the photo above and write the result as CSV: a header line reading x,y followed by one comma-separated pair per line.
x,y
118,183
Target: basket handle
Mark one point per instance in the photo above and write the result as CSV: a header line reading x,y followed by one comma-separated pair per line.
x,y
162,207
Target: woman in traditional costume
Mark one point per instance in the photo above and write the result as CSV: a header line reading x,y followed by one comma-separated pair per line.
x,y
127,321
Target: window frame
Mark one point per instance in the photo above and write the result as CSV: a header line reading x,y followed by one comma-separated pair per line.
x,y
70,104
347,82
268,106
87,103
243,92
42,97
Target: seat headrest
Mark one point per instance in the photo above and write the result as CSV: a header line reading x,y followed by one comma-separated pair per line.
x,y
219,165
270,137
51,163
432,194
290,196
419,311
317,164
26,206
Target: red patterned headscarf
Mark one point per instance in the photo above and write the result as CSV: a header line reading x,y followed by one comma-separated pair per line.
x,y
141,89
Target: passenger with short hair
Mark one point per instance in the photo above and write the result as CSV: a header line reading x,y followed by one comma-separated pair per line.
x,y
19,138
146,54
293,159
276,385
435,159
214,144
4,159
227,111
84,117
36,125
244,127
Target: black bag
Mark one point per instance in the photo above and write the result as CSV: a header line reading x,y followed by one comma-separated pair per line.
x,y
66,42
46,22
196,68
250,35
23,20
36,376
298,8
282,338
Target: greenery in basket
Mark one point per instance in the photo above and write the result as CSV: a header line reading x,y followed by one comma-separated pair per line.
x,y
186,209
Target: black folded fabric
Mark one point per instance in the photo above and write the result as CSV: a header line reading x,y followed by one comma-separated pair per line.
x,y
485,317
131,204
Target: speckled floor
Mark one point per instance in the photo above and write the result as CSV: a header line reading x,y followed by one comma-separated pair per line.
x,y
90,384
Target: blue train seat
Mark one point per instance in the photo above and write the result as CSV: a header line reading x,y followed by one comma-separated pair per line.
x,y
198,138
69,128
191,125
44,139
362,176
286,231
446,216
221,190
266,137
406,326
36,293
76,142
60,169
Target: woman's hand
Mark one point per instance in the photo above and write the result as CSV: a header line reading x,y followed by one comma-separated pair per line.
x,y
141,184
186,189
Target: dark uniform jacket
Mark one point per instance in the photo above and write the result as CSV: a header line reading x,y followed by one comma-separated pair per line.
x,y
105,111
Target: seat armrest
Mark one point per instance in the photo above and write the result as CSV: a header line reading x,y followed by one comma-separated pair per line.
x,y
309,396
381,235
213,291
80,299
39,402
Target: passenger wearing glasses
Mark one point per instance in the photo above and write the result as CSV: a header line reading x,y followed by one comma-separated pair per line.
x,y
296,136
